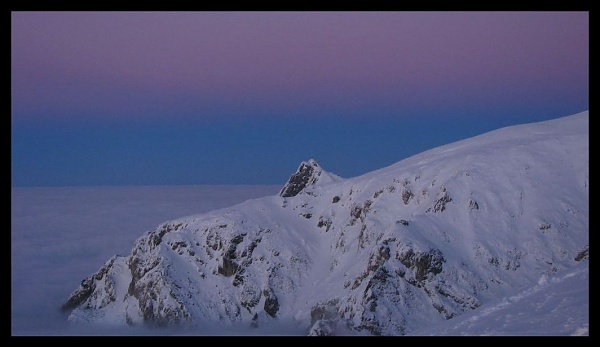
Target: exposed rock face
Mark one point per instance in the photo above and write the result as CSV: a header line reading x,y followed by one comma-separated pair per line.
x,y
382,254
307,174
583,254
88,289
424,264
271,303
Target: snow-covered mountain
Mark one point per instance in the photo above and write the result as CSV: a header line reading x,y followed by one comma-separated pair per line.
x,y
390,252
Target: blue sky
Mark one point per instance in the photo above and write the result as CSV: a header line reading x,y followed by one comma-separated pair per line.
x,y
128,98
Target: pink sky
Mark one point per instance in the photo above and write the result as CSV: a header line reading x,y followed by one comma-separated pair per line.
x,y
74,62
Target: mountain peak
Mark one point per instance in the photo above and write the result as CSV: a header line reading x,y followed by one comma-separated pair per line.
x,y
308,174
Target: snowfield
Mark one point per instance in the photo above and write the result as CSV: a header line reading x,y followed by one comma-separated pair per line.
x,y
557,305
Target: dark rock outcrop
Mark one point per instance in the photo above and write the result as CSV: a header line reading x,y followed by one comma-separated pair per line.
x,y
423,263
583,254
271,303
307,174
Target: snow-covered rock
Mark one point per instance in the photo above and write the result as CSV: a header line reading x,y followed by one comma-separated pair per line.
x,y
386,253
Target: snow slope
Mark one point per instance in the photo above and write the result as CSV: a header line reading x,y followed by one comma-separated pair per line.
x,y
557,305
390,252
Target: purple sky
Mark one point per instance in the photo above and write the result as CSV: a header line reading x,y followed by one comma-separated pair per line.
x,y
403,76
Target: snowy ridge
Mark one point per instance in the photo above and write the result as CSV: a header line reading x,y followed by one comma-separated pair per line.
x,y
386,253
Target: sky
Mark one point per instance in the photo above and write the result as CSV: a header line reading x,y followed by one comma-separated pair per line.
x,y
186,98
